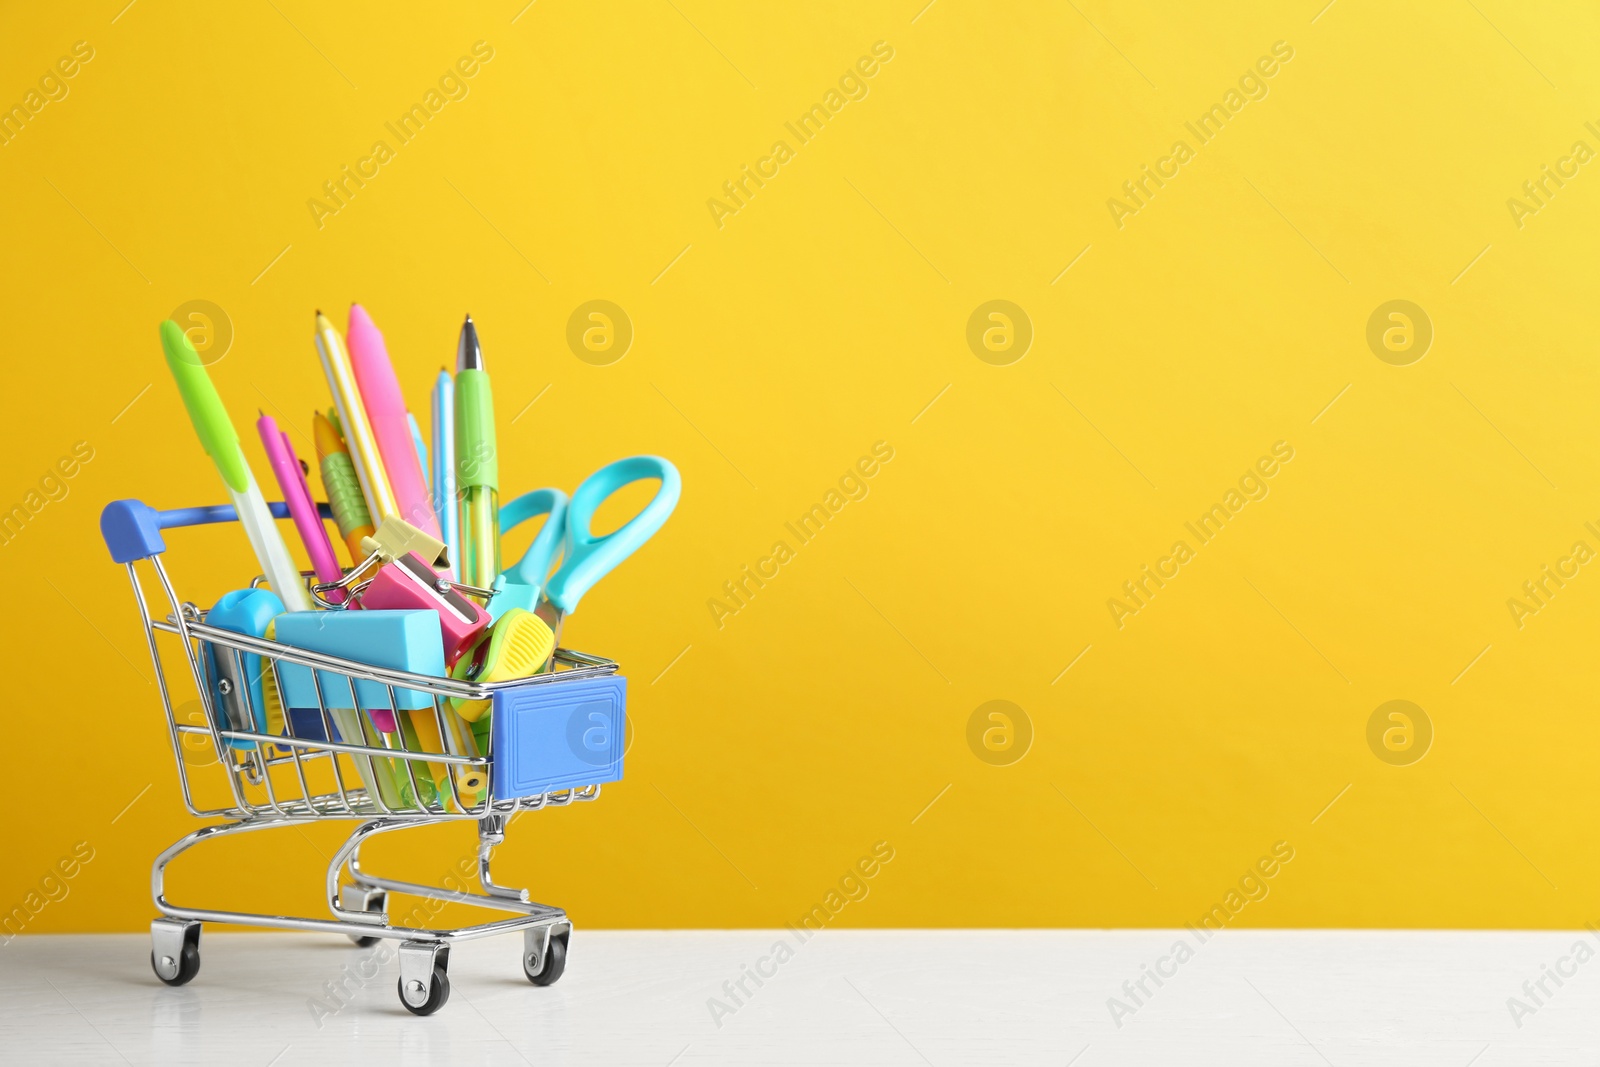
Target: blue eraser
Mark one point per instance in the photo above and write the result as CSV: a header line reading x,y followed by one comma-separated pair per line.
x,y
558,736
400,640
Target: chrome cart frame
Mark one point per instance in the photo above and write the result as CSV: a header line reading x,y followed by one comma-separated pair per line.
x,y
277,781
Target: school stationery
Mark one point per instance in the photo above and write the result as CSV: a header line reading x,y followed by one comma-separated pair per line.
x,y
395,537
291,478
477,466
221,442
517,646
353,422
444,466
393,785
410,583
385,409
404,640
520,584
364,692
236,677
277,717
339,481
585,557
421,448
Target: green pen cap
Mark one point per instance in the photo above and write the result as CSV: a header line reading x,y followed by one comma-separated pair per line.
x,y
477,462
210,418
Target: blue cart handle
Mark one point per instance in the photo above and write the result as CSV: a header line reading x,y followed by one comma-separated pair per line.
x,y
132,528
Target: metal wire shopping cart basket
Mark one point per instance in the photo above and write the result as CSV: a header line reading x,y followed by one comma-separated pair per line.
x,y
553,738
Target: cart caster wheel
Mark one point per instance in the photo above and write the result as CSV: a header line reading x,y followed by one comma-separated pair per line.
x,y
187,962
555,962
175,950
438,993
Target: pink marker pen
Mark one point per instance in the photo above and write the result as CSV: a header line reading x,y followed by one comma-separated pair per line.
x,y
302,509
386,411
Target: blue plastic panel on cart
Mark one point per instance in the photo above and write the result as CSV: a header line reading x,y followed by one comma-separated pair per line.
x,y
558,736
403,640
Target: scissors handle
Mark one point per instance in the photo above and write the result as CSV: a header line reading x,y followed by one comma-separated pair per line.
x,y
534,566
588,558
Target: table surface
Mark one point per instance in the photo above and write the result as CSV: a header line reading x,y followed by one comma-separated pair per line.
x,y
841,997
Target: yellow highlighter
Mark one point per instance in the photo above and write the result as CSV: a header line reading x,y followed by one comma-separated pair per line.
x,y
422,732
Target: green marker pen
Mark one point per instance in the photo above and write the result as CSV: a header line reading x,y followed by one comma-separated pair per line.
x,y
221,442
477,464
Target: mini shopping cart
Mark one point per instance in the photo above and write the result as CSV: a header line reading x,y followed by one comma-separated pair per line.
x,y
554,738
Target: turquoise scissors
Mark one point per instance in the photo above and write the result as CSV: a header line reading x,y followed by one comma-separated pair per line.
x,y
585,558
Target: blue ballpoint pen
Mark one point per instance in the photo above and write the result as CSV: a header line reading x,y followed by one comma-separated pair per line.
x,y
421,448
444,467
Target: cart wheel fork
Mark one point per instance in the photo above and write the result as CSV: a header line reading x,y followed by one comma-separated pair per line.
x,y
536,952
424,976
174,949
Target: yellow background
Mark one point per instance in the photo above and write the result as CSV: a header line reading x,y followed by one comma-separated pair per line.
x,y
823,317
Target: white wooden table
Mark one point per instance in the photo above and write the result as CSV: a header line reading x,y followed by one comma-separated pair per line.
x,y
869,997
